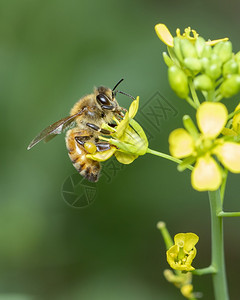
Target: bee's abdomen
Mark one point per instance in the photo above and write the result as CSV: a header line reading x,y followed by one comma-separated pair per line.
x,y
88,168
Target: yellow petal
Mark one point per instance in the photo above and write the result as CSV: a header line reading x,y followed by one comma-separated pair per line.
x,y
181,143
229,155
121,126
164,34
206,175
125,158
214,42
133,108
187,291
102,156
211,118
186,240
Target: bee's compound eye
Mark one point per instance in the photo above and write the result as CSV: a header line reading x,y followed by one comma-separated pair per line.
x,y
103,100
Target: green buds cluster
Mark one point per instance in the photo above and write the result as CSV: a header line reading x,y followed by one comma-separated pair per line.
x,y
211,66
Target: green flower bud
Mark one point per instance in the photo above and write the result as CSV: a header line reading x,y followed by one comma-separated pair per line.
x,y
230,67
223,50
167,60
193,64
214,71
205,62
230,86
187,48
178,81
177,49
237,56
203,82
215,59
200,46
207,51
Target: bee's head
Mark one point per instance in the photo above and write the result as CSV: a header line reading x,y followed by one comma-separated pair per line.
x,y
106,98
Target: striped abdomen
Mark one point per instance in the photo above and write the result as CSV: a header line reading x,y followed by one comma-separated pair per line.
x,y
88,168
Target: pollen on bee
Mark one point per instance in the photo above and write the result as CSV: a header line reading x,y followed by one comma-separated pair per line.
x,y
90,147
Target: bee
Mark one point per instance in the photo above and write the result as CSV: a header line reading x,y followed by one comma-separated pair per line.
x,y
84,127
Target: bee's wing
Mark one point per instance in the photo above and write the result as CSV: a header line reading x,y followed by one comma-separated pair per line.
x,y
54,129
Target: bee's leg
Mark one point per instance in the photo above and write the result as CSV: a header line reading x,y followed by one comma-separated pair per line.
x,y
103,147
97,128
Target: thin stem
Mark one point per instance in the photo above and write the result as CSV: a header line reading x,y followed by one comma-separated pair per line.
x,y
219,278
165,234
229,214
191,102
218,98
231,115
204,271
169,157
223,186
193,92
211,96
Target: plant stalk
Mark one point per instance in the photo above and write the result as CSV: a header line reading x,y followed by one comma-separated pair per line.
x,y
218,261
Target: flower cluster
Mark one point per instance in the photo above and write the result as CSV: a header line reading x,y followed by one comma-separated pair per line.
x,y
210,66
202,147
128,140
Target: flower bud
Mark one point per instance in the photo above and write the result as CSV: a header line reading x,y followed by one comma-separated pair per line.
x,y
237,56
207,51
167,60
205,62
215,59
230,67
193,64
223,50
214,71
203,82
200,46
177,48
230,86
178,81
187,48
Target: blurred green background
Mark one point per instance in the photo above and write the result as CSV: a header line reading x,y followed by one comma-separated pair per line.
x,y
52,53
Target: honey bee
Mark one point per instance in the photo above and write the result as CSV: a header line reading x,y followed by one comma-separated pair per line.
x,y
84,127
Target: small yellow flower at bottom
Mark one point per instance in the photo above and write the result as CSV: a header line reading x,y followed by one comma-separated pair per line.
x,y
182,253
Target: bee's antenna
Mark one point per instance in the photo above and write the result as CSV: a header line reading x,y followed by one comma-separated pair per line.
x,y
118,84
120,92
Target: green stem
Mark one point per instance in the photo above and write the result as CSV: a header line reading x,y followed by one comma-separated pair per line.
x,y
169,157
219,278
193,92
211,96
165,234
231,115
204,271
223,186
229,214
191,102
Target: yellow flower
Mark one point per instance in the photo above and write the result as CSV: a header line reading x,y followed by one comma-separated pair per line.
x,y
200,147
166,37
127,141
182,253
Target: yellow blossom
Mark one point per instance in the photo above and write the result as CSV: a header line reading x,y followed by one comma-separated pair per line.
x,y
182,253
127,141
200,147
